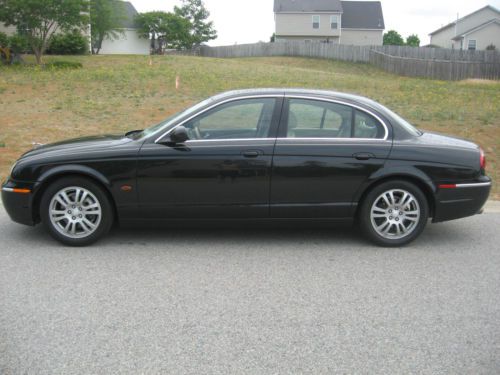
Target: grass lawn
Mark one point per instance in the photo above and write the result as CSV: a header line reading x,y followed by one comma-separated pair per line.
x,y
113,94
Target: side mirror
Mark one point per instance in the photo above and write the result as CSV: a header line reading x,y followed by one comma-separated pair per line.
x,y
179,135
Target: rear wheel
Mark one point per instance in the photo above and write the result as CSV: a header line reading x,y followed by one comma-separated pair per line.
x,y
394,213
76,211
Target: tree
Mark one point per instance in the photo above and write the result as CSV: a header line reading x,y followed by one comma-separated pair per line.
x,y
167,30
201,29
393,38
273,38
106,18
413,41
38,20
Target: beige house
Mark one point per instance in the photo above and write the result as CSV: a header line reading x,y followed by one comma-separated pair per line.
x,y
329,21
477,30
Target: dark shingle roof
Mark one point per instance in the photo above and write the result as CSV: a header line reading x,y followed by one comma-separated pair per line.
x,y
362,15
307,6
128,12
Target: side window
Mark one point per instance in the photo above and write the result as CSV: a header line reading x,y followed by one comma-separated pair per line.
x,y
334,22
241,119
315,22
366,126
318,119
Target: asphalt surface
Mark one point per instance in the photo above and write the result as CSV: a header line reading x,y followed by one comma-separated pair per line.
x,y
251,301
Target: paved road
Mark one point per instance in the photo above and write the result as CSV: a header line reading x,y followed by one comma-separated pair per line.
x,y
257,302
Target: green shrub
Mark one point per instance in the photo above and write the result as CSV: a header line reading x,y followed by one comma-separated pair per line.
x,y
18,44
491,47
4,40
63,65
72,43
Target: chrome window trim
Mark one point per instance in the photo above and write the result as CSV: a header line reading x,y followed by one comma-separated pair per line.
x,y
276,96
304,97
336,101
230,139
335,139
478,184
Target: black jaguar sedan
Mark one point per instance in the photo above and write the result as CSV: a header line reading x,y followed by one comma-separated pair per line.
x,y
269,155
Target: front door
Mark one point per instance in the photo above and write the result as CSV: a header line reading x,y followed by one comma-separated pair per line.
x,y
222,171
324,152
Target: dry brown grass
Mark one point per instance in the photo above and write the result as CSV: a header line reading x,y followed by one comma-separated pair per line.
x,y
113,94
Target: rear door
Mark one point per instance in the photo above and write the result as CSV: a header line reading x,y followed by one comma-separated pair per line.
x,y
324,152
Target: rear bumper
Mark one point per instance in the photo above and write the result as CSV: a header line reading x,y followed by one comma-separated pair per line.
x,y
461,200
18,204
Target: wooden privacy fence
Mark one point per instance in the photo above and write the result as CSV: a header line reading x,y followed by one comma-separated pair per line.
x,y
292,48
436,63
452,70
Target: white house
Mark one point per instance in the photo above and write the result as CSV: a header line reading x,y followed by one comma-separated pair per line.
x,y
128,42
477,30
330,21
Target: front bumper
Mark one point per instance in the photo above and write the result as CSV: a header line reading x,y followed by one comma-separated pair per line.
x,y
17,199
461,200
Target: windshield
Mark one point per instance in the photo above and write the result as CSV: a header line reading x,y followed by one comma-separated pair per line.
x,y
165,124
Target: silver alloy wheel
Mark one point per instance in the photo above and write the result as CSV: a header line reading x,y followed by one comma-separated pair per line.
x,y
75,212
395,214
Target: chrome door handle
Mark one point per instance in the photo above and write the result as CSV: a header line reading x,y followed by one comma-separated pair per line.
x,y
363,156
251,153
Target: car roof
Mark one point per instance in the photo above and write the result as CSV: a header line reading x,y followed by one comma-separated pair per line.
x,y
299,91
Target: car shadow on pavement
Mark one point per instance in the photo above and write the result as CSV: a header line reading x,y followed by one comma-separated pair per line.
x,y
444,234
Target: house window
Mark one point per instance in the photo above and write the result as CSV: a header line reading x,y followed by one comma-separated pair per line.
x,y
334,22
315,22
472,45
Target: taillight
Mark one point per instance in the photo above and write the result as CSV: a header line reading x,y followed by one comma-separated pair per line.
x,y
482,160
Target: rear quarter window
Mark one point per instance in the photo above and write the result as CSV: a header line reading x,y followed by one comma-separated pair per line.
x,y
367,126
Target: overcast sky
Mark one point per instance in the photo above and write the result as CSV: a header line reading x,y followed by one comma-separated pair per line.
x,y
249,21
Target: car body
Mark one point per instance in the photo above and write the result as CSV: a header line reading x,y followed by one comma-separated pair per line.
x,y
260,155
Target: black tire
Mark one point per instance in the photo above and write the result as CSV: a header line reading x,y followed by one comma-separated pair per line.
x,y
367,223
102,226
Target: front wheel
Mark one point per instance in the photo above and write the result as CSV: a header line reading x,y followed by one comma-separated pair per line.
x,y
76,211
394,213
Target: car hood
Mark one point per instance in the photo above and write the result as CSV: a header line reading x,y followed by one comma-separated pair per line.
x,y
78,146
